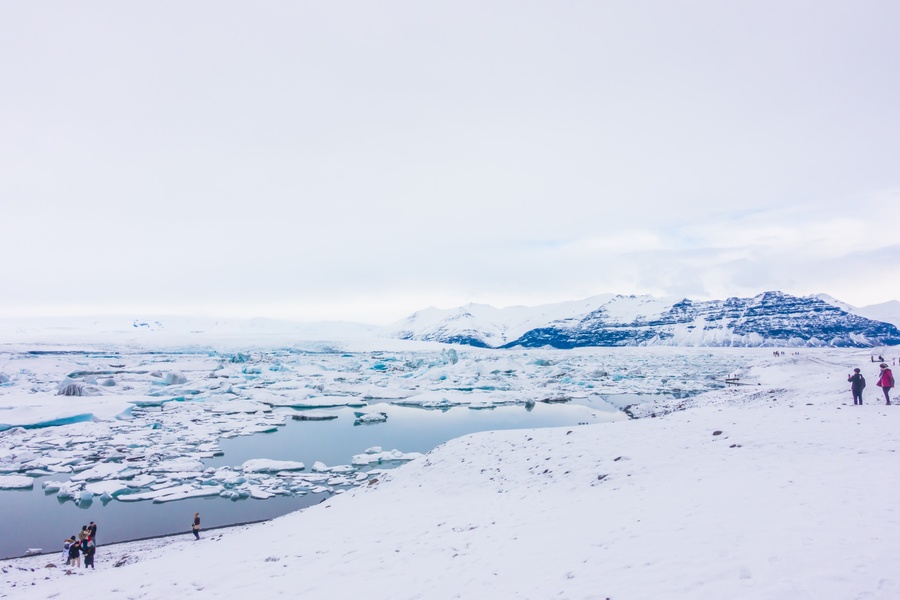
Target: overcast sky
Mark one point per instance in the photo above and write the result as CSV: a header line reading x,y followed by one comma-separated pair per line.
x,y
362,160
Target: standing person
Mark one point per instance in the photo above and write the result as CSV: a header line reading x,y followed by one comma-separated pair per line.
x,y
886,382
92,531
857,385
88,548
75,553
68,542
195,527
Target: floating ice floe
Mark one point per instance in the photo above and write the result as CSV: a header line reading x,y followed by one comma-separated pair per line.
x,y
482,404
65,490
77,388
100,471
175,378
111,488
178,465
260,493
172,493
316,402
234,407
314,415
16,482
265,465
370,417
259,428
383,457
387,392
51,486
441,399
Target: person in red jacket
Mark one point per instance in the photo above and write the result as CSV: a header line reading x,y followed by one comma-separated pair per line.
x,y
886,382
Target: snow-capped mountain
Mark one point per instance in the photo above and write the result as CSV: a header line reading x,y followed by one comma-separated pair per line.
x,y
769,319
485,326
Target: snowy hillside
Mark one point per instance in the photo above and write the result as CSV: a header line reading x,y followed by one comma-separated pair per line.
x,y
769,319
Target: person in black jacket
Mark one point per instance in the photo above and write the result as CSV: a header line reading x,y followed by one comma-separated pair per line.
x,y
857,385
195,526
75,553
88,549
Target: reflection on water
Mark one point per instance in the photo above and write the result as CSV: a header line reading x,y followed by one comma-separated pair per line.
x,y
407,429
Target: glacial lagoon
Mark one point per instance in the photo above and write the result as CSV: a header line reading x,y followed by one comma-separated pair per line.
x,y
322,410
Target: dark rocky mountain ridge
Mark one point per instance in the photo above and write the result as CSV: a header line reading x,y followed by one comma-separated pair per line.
x,y
771,319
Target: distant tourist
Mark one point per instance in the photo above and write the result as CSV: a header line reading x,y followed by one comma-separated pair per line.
x,y
886,382
857,385
195,527
92,531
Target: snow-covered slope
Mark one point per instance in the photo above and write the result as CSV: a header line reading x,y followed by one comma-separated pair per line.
x,y
773,490
769,319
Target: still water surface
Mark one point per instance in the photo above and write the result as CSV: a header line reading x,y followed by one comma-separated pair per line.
x,y
33,519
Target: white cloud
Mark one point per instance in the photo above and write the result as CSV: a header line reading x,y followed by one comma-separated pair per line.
x,y
313,156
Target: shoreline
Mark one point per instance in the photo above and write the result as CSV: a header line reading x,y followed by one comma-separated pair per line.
x,y
161,536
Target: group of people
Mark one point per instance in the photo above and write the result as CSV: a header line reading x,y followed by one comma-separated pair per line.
x,y
858,383
84,543
881,360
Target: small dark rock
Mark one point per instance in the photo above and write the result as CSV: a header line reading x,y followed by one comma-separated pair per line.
x,y
717,432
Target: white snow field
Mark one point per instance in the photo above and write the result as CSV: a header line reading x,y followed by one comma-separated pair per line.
x,y
775,488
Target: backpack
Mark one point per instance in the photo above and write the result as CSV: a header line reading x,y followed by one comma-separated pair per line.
x,y
862,382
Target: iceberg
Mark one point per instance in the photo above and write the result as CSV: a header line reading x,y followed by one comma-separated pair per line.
x,y
265,465
16,482
382,457
370,417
